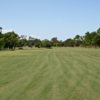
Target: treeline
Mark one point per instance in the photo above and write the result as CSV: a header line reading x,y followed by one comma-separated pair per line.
x,y
11,40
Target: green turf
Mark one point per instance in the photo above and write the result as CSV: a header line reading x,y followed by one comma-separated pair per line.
x,y
50,74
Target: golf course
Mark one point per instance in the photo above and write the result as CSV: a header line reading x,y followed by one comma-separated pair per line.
x,y
50,74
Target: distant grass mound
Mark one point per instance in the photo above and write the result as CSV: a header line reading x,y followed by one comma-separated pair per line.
x,y
50,74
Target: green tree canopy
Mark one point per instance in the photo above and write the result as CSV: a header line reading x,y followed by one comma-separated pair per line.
x,y
11,40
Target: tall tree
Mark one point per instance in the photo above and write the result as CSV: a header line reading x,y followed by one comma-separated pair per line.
x,y
46,43
31,42
55,41
1,39
98,31
69,43
11,40
78,40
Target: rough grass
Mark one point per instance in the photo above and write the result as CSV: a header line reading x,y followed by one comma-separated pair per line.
x,y
50,74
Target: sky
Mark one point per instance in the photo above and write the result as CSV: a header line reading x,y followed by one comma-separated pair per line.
x,y
50,18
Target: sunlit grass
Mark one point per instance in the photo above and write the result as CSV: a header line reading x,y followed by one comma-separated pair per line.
x,y
50,74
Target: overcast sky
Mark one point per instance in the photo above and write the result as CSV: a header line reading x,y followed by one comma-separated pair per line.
x,y
50,18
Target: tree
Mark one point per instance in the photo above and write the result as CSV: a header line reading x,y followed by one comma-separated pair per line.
x,y
78,40
37,43
31,41
98,31
54,41
11,40
96,40
1,39
89,38
2,43
22,41
60,43
69,43
0,31
46,43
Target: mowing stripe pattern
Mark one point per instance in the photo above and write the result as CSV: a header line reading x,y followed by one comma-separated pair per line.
x,y
50,74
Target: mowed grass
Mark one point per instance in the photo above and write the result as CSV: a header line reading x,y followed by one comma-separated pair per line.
x,y
50,74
